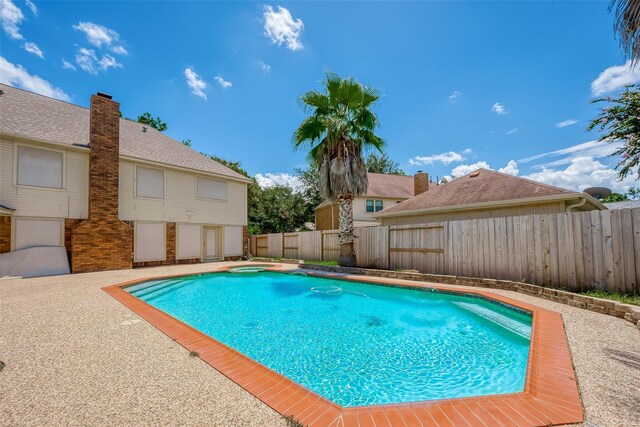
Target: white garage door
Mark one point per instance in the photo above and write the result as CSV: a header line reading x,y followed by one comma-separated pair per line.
x,y
150,243
189,241
232,241
38,232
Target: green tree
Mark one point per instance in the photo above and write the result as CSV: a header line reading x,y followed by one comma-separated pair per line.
x,y
383,164
620,122
310,179
633,193
277,209
186,142
627,26
615,197
156,123
337,132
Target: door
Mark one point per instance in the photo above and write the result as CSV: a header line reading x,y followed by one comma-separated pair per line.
x,y
210,244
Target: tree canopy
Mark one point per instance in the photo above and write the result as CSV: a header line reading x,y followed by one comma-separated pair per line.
x,y
627,26
383,164
619,121
156,123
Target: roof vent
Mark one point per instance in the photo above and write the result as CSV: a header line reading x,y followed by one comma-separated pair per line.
x,y
144,129
474,174
104,95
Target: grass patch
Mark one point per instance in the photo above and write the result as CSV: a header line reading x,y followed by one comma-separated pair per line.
x,y
194,354
292,422
615,296
329,263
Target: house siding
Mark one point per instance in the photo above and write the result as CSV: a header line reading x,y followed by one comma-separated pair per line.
x,y
70,202
180,198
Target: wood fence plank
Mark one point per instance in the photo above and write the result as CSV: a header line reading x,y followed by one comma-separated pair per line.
x,y
635,219
626,223
616,243
607,248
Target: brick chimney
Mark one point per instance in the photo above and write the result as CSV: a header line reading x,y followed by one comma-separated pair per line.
x,y
103,242
420,183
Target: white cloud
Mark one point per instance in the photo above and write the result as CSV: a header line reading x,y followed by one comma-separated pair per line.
x,y
455,95
89,61
514,130
195,82
265,67
17,75
225,84
614,78
32,6
499,109
101,36
511,168
444,158
462,170
280,27
566,155
68,65
10,19
566,123
271,179
583,172
33,48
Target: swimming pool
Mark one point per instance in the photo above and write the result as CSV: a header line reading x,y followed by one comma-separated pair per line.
x,y
356,344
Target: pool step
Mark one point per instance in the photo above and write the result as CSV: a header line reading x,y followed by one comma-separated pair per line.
x,y
146,290
506,322
164,289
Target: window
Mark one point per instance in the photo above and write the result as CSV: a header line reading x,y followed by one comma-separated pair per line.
x,y
149,241
233,241
40,168
30,233
149,182
374,205
212,189
189,241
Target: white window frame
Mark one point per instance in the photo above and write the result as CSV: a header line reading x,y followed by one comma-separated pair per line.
x,y
15,167
212,179
200,241
374,205
135,183
14,226
135,241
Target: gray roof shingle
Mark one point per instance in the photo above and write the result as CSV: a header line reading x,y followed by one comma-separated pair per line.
x,y
38,117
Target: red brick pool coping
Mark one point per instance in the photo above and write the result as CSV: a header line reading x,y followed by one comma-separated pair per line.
x,y
550,396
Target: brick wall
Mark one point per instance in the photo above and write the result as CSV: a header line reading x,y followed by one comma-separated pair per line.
x,y
5,234
324,218
102,242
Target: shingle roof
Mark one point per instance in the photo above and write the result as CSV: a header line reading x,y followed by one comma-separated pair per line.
x,y
486,186
38,117
627,204
383,185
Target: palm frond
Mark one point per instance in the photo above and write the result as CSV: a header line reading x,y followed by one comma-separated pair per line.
x,y
627,26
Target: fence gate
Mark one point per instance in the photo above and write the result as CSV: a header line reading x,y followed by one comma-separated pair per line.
x,y
330,246
417,247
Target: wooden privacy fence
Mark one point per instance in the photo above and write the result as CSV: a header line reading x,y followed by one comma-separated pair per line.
x,y
578,250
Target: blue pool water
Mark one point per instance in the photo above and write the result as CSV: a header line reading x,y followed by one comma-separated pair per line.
x,y
355,344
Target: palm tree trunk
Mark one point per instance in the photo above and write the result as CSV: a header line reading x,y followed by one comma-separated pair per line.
x,y
345,232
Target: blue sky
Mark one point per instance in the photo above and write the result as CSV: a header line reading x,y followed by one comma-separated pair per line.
x,y
505,85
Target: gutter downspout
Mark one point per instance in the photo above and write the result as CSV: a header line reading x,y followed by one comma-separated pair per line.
x,y
577,205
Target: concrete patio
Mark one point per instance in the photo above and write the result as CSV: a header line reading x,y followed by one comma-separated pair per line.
x,y
76,356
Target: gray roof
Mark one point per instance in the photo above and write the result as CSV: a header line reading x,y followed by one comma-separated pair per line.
x,y
627,204
28,115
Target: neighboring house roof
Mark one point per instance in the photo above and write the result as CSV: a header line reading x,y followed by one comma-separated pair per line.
x,y
627,204
482,187
37,117
389,186
382,185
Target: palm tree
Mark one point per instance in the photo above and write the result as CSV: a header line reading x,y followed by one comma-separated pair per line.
x,y
338,130
627,26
